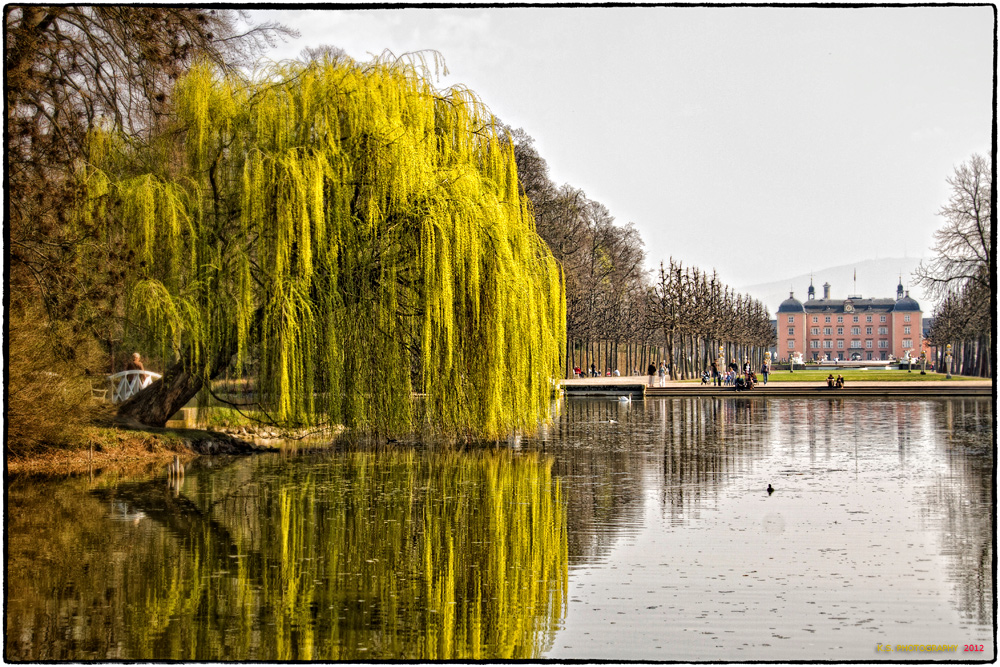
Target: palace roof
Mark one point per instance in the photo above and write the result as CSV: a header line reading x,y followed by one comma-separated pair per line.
x,y
790,305
851,305
906,304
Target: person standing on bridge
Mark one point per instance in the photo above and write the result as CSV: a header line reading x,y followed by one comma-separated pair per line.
x,y
135,364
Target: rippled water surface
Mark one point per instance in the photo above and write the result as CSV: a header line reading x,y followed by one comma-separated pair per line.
x,y
620,531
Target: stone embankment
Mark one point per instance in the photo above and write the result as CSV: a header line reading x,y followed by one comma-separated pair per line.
x,y
636,386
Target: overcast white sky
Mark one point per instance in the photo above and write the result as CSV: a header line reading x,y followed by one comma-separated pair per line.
x,y
764,142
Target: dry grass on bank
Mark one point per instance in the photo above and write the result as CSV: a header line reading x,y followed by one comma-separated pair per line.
x,y
102,447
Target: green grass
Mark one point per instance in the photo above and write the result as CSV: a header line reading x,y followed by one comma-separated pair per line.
x,y
855,375
225,417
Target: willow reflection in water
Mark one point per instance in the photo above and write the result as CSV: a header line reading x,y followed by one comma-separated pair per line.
x,y
880,530
338,556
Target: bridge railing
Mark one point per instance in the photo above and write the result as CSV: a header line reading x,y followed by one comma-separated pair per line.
x,y
127,383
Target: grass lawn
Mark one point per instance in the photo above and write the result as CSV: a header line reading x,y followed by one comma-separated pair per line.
x,y
854,375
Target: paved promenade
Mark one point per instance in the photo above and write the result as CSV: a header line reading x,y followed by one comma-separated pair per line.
x,y
926,388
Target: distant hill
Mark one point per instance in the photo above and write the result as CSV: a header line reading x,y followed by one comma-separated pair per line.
x,y
877,278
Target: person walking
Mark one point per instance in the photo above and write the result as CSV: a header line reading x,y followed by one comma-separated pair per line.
x,y
764,371
662,372
716,381
652,371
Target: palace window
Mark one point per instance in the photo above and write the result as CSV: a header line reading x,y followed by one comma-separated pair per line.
x,y
791,331
814,344
815,319
826,330
868,344
906,318
840,344
882,331
840,319
840,331
906,330
791,345
857,319
827,319
855,344
791,319
907,343
856,331
868,318
868,330
828,344
815,331
883,344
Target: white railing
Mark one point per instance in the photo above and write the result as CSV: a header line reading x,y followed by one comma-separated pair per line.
x,y
127,383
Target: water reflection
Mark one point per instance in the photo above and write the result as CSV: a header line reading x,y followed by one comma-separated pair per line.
x,y
620,531
395,555
961,501
881,525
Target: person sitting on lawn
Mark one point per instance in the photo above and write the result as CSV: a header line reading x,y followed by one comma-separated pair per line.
x,y
840,382
830,382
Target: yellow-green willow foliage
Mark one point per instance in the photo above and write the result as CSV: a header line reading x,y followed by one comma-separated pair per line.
x,y
353,236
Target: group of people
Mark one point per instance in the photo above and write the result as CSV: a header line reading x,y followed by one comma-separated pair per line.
x,y
595,372
734,376
837,383
727,379
660,372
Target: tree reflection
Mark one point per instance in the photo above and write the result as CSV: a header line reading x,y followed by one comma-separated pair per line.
x,y
394,555
964,500
601,462
706,440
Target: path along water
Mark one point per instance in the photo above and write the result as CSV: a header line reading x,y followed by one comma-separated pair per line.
x,y
635,530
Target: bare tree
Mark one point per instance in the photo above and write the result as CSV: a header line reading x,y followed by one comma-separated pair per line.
x,y
962,274
963,245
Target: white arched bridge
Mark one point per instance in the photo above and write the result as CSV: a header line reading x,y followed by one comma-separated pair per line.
x,y
127,383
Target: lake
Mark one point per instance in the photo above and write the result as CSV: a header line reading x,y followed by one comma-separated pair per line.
x,y
620,531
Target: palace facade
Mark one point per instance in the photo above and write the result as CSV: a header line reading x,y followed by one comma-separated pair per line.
x,y
851,329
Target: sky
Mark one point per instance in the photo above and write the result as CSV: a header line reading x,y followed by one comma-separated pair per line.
x,y
763,142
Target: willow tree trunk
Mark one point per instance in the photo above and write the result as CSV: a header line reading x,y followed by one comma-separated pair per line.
x,y
155,404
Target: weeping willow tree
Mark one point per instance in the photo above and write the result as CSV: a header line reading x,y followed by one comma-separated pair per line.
x,y
345,234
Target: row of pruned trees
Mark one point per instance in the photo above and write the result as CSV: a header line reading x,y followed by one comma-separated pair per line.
x,y
963,321
602,263
962,275
701,318
618,315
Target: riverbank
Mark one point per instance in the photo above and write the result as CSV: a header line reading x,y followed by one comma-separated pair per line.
x,y
123,446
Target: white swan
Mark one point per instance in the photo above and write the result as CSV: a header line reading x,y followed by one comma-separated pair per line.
x,y
625,399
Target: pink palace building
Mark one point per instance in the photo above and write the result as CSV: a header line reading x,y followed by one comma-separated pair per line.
x,y
853,329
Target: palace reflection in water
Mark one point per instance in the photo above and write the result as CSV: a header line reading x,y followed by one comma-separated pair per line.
x,y
618,531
